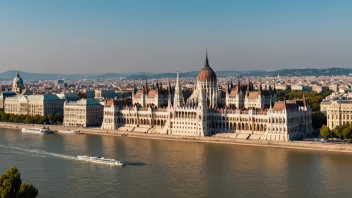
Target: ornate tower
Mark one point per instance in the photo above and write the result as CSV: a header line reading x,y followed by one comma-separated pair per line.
x,y
178,97
17,85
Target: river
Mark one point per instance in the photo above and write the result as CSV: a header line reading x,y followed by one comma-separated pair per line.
x,y
157,168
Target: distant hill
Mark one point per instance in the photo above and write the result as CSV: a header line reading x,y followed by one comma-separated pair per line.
x,y
28,76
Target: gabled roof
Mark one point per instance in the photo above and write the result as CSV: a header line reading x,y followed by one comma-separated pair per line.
x,y
152,93
139,93
253,95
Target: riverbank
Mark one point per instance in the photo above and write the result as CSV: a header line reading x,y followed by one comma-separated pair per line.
x,y
346,148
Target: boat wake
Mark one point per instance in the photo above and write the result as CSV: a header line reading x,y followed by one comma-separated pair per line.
x,y
36,152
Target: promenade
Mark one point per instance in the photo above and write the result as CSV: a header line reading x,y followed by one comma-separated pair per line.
x,y
221,139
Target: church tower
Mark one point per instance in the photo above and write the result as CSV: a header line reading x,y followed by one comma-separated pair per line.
x,y
18,85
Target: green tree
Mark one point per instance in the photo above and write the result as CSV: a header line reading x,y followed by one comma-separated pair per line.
x,y
27,191
50,118
38,119
338,130
58,117
346,132
6,117
11,186
324,132
16,119
28,119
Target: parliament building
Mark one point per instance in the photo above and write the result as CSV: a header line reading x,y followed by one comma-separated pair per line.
x,y
247,114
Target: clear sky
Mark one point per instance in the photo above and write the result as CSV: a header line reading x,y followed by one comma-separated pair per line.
x,y
84,36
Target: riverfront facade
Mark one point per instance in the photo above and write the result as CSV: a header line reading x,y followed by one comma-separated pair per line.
x,y
248,113
33,105
83,113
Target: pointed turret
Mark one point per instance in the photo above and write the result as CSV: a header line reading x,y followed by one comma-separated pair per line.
x,y
169,94
145,87
304,101
238,85
178,96
228,87
248,86
206,59
260,87
270,89
134,87
157,85
271,104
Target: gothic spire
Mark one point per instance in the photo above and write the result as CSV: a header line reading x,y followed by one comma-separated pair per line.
x,y
304,100
238,84
134,87
157,84
146,86
206,58
178,96
248,86
271,104
260,87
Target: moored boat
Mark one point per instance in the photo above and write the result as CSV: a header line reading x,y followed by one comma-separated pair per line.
x,y
100,160
42,130
70,131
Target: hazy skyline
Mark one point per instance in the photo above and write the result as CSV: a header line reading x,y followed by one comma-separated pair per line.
x,y
61,36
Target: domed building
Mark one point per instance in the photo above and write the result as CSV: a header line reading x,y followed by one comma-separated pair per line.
x,y
18,85
206,80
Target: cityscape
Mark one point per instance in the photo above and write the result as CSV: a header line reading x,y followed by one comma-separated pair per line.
x,y
175,99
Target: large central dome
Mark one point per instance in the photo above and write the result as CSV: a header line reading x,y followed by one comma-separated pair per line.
x,y
18,80
207,73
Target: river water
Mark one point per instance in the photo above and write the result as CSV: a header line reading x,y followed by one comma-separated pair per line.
x,y
158,168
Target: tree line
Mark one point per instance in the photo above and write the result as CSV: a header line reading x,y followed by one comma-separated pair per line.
x,y
340,131
28,119
313,98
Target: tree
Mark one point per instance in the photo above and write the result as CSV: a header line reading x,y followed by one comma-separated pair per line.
x,y
338,130
346,132
50,118
16,119
58,117
324,132
28,119
11,185
27,191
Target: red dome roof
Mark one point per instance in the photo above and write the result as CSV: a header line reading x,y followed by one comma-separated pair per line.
x,y
207,73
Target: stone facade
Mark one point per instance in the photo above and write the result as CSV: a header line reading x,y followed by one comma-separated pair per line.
x,y
34,105
339,112
83,113
199,116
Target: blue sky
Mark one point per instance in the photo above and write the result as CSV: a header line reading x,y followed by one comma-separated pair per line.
x,y
83,36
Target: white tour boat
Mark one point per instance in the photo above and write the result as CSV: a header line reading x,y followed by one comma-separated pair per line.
x,y
69,131
100,160
37,130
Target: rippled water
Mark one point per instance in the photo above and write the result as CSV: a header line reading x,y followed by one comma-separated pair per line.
x,y
171,169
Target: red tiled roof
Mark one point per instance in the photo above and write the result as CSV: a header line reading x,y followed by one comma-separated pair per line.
x,y
279,105
139,94
253,95
152,93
